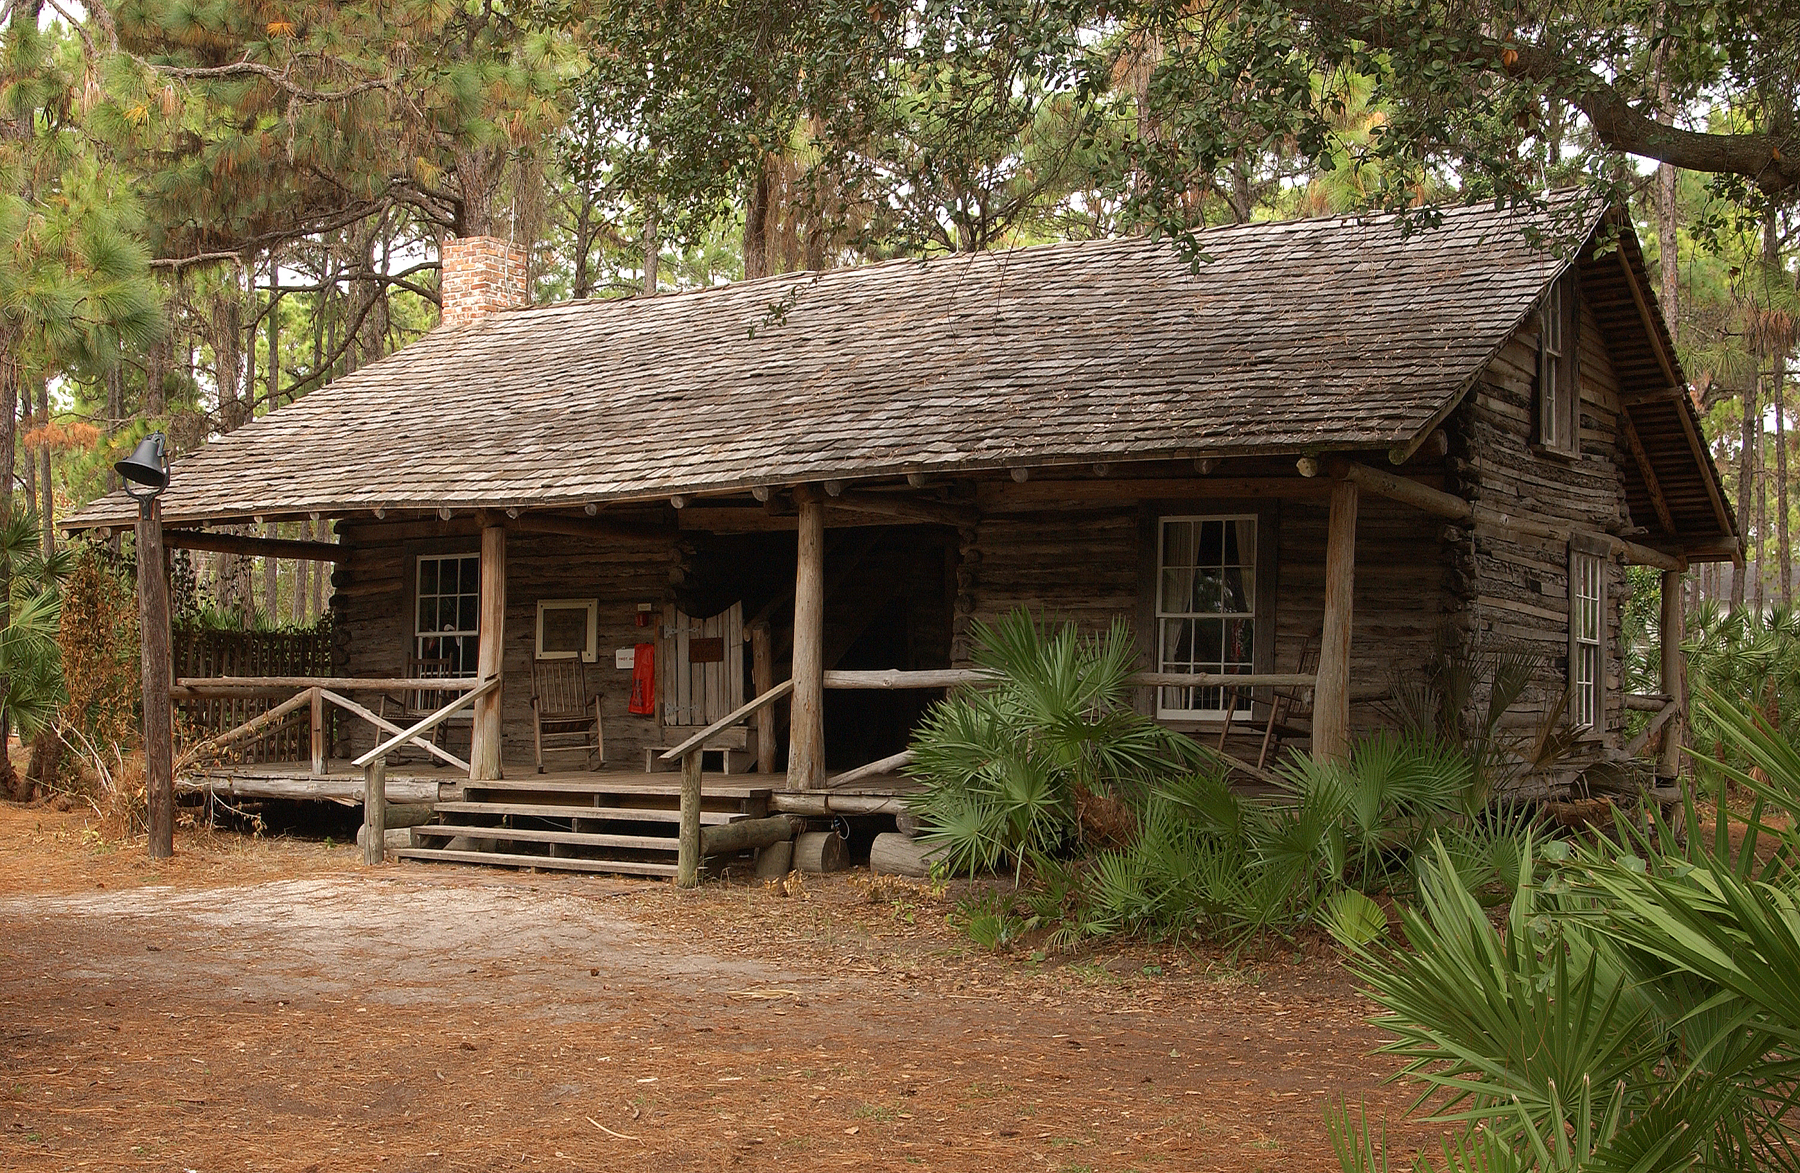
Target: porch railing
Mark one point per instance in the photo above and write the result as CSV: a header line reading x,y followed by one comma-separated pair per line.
x,y
691,848
374,767
315,692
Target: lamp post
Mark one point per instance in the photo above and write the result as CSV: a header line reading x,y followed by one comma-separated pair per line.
x,y
146,475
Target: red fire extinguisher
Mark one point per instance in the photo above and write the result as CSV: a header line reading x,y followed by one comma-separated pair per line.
x,y
643,680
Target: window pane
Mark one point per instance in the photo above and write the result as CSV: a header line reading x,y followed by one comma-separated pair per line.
x,y
1178,543
1209,636
1207,592
1178,644
428,576
466,618
1176,586
1236,587
1240,643
1212,542
427,615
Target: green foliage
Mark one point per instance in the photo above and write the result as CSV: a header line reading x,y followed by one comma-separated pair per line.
x,y
31,685
1637,1009
1006,769
98,640
1006,766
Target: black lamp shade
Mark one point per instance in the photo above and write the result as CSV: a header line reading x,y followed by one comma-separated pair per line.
x,y
147,465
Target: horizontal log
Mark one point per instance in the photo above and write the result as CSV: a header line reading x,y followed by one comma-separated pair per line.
x,y
874,769
594,528
745,835
338,787
1646,702
1221,680
820,803
188,687
1435,501
893,854
905,509
891,678
194,539
895,678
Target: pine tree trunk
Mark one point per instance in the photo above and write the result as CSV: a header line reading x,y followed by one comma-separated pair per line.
x,y
9,436
272,581
1778,398
1745,487
652,255
756,225
46,490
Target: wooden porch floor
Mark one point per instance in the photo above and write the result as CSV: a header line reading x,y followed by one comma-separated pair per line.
x,y
418,782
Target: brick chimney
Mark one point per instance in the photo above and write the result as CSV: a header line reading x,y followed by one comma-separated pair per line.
x,y
481,274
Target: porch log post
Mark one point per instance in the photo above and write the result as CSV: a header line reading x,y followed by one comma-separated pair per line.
x,y
1674,675
484,738
158,677
762,679
318,731
1331,698
806,722
375,812
687,844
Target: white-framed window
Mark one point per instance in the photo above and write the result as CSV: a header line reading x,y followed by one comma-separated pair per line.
x,y
447,611
1587,624
568,629
1558,389
1205,608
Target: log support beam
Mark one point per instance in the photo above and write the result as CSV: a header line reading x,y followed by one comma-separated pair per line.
x,y
762,679
1331,698
1674,675
484,739
158,673
806,725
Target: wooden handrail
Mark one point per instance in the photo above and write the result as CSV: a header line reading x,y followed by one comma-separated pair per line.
x,y
249,727
380,722
429,723
893,678
192,686
699,740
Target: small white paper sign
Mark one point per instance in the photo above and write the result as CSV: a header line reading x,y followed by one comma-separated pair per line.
x,y
625,657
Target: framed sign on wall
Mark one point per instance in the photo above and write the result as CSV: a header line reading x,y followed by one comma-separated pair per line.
x,y
567,629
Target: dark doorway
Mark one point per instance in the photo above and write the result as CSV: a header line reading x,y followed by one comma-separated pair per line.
x,y
889,592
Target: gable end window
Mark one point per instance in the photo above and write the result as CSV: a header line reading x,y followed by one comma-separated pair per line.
x,y
1558,379
447,612
1206,609
1587,628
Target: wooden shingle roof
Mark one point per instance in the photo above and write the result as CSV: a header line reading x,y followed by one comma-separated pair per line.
x,y
1300,336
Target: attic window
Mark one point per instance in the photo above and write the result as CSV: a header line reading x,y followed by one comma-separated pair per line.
x,y
1558,382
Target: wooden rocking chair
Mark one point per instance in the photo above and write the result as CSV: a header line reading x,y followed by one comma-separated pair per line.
x,y
415,704
1285,704
564,714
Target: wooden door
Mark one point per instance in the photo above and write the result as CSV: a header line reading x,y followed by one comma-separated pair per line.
x,y
702,667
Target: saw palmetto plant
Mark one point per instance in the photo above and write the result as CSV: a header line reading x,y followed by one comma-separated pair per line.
x,y
1636,1010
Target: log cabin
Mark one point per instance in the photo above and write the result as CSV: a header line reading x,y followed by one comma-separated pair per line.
x,y
754,526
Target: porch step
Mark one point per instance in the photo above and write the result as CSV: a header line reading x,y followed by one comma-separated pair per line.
x,y
671,789
556,810
535,835
577,824
557,863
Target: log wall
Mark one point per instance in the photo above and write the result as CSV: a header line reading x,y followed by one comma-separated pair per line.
x,y
1517,591
373,605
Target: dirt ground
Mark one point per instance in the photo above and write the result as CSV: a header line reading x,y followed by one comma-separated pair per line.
x,y
271,1004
